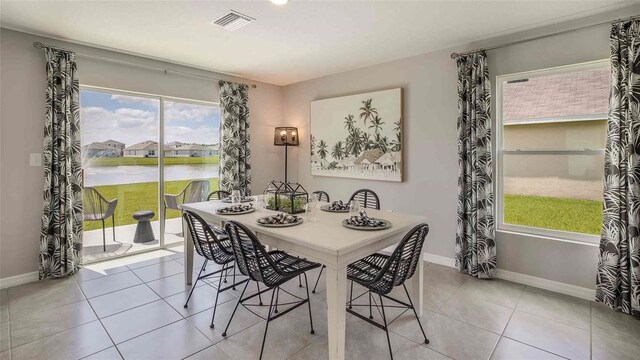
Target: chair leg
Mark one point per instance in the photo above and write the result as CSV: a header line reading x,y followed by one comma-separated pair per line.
x,y
370,310
195,283
234,309
318,279
426,341
259,295
264,338
351,296
386,328
234,277
215,304
299,281
104,238
306,285
277,297
113,226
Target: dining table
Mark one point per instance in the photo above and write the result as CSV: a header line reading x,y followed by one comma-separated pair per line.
x,y
325,241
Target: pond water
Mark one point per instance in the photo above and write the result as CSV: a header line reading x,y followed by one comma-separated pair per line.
x,y
111,175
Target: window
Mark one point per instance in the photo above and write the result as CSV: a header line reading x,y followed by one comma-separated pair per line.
x,y
551,136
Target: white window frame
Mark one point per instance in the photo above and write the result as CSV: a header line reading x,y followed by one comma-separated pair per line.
x,y
500,153
161,99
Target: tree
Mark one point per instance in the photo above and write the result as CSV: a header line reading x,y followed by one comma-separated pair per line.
x,y
313,145
382,142
338,151
396,145
322,149
349,123
367,111
376,124
367,142
354,142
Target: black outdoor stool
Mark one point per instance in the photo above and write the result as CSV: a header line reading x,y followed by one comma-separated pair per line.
x,y
212,248
144,232
367,199
272,268
380,273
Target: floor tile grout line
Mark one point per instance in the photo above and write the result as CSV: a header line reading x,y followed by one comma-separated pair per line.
x,y
513,311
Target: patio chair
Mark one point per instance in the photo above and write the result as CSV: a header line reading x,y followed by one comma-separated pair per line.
x,y
97,208
195,191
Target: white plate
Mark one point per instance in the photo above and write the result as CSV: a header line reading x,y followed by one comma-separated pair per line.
x,y
386,225
228,201
235,213
327,209
300,221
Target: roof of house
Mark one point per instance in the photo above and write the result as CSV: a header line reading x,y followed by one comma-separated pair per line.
x,y
348,161
110,141
572,96
370,155
145,145
388,159
98,146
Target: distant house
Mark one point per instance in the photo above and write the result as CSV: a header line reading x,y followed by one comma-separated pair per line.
x,y
369,157
115,144
99,149
179,149
213,149
144,149
567,110
389,160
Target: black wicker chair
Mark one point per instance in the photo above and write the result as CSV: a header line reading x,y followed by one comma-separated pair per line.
x,y
218,195
380,273
367,199
272,268
212,248
322,195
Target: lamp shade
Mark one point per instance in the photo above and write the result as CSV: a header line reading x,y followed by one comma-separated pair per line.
x,y
285,135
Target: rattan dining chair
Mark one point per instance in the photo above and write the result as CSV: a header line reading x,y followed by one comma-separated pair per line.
x,y
366,198
380,273
218,195
96,208
272,268
213,248
322,195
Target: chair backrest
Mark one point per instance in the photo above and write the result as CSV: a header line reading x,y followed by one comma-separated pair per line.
x,y
402,263
93,203
196,191
367,199
218,195
252,258
322,195
204,239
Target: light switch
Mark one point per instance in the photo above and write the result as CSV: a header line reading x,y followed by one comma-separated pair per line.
x,y
35,159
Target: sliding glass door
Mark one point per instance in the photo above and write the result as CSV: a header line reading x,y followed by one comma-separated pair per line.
x,y
133,186
190,158
120,136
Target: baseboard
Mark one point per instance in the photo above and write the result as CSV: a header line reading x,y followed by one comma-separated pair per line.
x,y
18,280
555,286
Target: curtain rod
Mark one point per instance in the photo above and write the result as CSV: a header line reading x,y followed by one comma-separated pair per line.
x,y
455,55
39,45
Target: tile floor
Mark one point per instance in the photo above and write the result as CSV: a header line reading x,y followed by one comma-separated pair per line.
x,y
131,308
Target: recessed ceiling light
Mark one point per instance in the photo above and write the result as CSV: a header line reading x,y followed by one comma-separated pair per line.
x,y
280,2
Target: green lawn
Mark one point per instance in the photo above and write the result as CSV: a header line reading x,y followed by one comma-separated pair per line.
x,y
139,196
118,161
582,216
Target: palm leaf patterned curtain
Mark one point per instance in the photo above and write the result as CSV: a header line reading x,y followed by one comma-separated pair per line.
x,y
475,232
61,231
235,156
618,278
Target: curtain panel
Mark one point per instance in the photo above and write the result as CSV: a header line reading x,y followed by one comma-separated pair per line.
x,y
235,155
618,277
475,230
61,230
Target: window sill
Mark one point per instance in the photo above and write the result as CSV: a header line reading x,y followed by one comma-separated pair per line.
x,y
592,241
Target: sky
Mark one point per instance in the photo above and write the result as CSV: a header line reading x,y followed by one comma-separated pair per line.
x,y
131,120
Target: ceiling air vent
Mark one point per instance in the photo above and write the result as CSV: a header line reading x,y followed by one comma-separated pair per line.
x,y
233,20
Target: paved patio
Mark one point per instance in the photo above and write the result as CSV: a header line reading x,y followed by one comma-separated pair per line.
x,y
123,244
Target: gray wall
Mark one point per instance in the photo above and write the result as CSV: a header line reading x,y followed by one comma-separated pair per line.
x,y
22,70
430,152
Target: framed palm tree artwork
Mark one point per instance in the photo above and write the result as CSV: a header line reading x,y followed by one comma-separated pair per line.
x,y
358,136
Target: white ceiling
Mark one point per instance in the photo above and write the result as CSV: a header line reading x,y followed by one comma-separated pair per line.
x,y
291,43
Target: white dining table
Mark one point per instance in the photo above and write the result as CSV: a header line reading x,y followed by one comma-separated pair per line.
x,y
325,241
